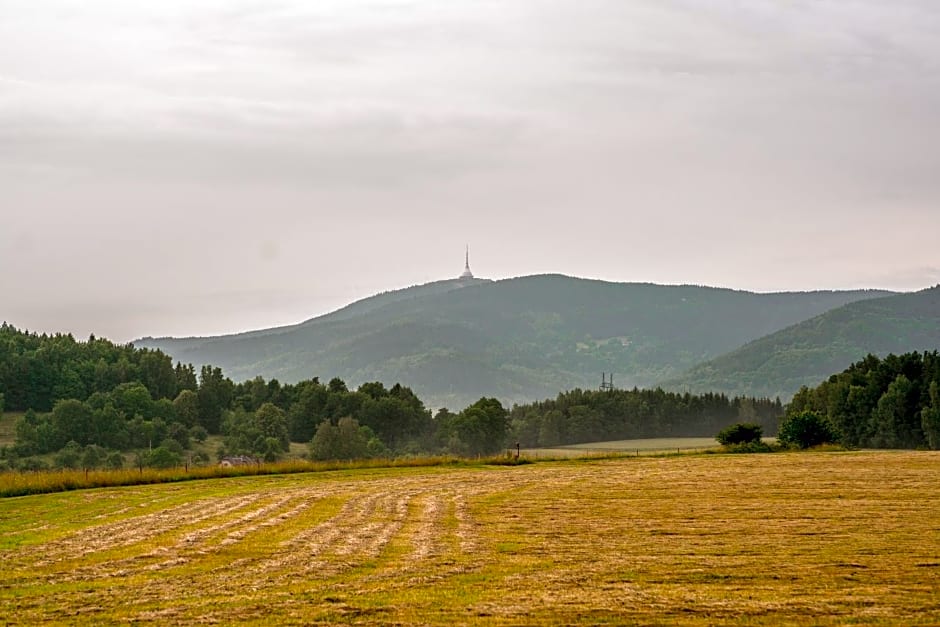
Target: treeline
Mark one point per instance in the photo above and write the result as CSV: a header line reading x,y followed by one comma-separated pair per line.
x,y
591,416
95,403
86,401
880,403
37,370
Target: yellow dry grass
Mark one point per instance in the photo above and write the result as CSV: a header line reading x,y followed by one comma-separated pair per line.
x,y
816,538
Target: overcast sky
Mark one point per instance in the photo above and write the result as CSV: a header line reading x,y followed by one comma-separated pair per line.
x,y
205,166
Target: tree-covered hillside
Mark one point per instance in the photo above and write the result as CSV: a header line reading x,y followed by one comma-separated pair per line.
x,y
351,310
804,354
518,339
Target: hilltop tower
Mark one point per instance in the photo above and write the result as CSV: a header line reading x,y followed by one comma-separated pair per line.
x,y
466,269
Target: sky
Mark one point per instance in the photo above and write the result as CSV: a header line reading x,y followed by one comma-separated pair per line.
x,y
209,166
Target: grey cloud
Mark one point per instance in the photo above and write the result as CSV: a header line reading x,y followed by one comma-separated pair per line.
x,y
371,149
331,149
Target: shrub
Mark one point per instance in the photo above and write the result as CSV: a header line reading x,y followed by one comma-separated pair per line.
x,y
173,445
740,433
93,456
162,457
31,464
179,434
198,433
749,447
807,429
273,449
69,456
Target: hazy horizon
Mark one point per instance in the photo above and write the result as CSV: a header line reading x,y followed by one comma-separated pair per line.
x,y
393,289
217,166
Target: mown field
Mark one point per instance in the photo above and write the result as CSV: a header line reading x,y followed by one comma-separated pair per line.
x,y
814,538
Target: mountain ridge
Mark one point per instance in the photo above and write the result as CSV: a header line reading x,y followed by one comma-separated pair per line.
x,y
517,339
357,307
810,351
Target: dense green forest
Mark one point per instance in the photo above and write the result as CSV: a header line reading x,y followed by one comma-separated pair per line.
x,y
882,403
519,340
93,403
806,353
86,402
37,370
592,416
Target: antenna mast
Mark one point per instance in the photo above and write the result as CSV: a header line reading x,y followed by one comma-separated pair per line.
x,y
467,274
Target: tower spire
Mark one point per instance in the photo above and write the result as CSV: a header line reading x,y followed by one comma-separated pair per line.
x,y
466,268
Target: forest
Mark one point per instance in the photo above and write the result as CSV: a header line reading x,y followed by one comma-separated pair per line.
x,y
592,416
95,403
91,403
892,402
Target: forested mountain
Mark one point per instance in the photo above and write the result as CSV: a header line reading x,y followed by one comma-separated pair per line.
x,y
352,310
517,340
808,352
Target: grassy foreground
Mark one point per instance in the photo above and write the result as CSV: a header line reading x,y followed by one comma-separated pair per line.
x,y
815,538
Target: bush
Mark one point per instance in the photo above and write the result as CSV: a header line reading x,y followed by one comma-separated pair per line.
x,y
69,456
198,433
179,434
93,456
273,449
162,457
749,447
173,445
807,429
31,464
740,433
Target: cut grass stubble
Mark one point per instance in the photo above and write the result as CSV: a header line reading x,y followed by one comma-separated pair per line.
x,y
816,538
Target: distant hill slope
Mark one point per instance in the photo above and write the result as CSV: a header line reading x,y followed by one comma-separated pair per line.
x,y
811,351
518,339
356,308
